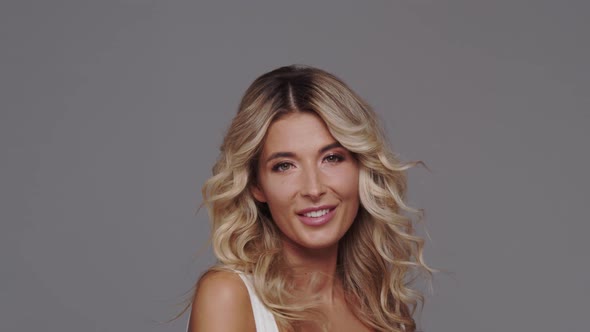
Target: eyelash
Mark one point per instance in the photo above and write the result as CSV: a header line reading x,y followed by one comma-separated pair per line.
x,y
338,157
279,166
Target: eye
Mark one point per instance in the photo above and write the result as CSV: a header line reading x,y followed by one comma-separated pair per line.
x,y
282,167
334,158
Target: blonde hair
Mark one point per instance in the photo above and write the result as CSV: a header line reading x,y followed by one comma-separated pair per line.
x,y
378,256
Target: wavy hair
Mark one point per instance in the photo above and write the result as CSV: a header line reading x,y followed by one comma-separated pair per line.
x,y
379,256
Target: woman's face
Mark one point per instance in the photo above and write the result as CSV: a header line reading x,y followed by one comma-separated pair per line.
x,y
308,180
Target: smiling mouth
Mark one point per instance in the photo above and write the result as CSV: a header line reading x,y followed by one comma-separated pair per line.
x,y
316,214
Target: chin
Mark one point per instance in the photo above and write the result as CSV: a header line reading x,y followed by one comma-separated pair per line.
x,y
319,244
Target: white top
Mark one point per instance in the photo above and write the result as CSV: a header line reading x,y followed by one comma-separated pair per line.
x,y
265,321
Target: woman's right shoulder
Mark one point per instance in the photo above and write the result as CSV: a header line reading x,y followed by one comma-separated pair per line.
x,y
223,278
221,303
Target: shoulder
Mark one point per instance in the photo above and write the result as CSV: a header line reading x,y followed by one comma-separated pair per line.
x,y
222,282
221,303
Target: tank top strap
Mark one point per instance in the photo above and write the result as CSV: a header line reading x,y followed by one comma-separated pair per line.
x,y
265,321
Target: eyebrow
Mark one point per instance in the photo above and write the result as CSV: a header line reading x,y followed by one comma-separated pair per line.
x,y
292,155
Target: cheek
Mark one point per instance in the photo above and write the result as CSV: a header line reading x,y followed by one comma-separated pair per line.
x,y
345,182
278,194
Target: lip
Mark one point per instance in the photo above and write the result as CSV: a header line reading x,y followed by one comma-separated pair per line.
x,y
316,208
317,221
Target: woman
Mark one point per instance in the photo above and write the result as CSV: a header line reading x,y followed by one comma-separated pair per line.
x,y
307,210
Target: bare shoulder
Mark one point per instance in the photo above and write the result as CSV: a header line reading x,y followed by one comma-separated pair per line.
x,y
221,303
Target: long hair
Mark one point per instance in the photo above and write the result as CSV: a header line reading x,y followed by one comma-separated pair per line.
x,y
378,256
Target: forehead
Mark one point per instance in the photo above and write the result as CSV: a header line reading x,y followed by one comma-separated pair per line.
x,y
297,131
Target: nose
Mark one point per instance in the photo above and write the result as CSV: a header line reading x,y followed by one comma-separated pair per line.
x,y
312,186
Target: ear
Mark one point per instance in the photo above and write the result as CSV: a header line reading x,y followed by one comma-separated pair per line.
x,y
258,193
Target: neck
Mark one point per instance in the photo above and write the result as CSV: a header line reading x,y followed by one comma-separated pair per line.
x,y
315,268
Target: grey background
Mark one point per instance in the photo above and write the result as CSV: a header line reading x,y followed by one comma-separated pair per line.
x,y
112,113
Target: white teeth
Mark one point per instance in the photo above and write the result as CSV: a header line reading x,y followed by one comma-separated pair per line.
x,y
315,214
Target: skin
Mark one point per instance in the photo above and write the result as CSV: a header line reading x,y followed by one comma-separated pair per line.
x,y
219,293
301,167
